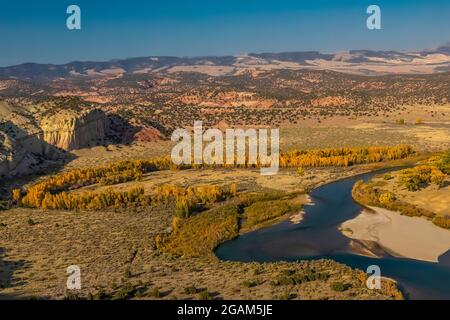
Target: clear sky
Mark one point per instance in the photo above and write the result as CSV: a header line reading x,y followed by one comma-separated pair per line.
x,y
35,30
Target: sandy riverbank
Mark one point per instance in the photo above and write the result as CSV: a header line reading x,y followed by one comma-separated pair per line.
x,y
298,217
411,237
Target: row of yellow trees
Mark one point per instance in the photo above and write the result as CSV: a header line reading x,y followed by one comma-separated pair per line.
x,y
118,172
95,201
124,171
185,198
343,157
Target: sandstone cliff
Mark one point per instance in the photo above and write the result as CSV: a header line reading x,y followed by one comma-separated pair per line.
x,y
68,130
28,138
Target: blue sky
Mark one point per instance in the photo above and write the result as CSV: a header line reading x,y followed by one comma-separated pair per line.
x,y
35,30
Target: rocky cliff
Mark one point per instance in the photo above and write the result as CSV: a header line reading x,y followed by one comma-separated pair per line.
x,y
68,130
28,138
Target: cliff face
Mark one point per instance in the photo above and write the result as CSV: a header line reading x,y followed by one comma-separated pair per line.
x,y
7,154
68,131
26,139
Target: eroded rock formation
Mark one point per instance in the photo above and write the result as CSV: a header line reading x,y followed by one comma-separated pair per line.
x,y
68,130
27,138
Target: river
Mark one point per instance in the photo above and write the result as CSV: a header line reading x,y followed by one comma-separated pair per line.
x,y
318,237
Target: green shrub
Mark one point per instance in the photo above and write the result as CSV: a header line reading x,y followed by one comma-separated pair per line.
x,y
205,295
190,290
247,199
155,293
290,277
286,296
251,283
264,211
257,271
71,296
199,235
127,291
300,171
4,205
99,295
127,273
387,198
444,163
340,286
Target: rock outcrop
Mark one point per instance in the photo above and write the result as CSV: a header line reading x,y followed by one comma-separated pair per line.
x,y
21,145
27,139
68,130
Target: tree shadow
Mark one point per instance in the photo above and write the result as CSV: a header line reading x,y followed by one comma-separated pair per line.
x,y
7,280
120,130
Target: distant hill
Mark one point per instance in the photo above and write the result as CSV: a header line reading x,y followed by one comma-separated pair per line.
x,y
363,62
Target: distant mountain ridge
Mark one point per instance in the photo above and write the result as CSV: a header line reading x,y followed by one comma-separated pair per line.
x,y
365,62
